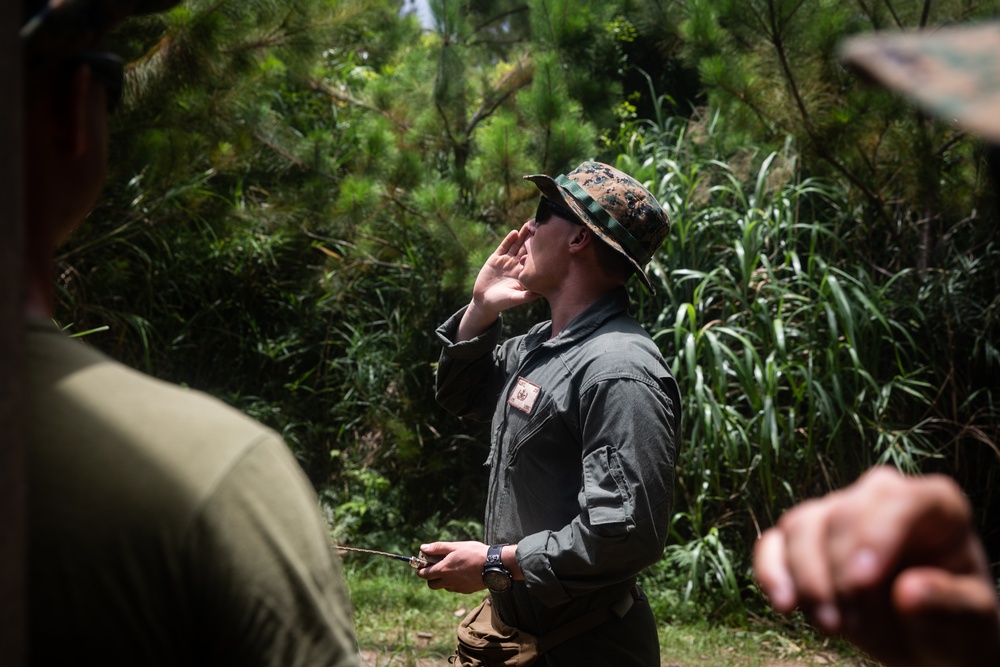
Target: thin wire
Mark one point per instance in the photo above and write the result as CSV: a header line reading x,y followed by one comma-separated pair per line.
x,y
412,560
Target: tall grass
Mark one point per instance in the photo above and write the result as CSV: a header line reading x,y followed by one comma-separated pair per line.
x,y
797,363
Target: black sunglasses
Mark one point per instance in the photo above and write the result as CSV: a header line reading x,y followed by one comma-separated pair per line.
x,y
548,208
107,68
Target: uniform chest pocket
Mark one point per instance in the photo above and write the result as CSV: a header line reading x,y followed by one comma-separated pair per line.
x,y
522,429
513,427
526,410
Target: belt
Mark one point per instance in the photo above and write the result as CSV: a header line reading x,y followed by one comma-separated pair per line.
x,y
589,621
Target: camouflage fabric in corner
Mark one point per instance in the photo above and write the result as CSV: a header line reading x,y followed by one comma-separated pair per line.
x,y
953,73
66,26
622,212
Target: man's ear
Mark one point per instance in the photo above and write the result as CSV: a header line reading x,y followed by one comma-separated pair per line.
x,y
581,239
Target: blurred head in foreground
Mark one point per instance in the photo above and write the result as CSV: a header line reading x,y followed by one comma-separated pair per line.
x,y
952,73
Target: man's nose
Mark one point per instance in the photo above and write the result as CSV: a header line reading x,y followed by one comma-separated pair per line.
x,y
532,226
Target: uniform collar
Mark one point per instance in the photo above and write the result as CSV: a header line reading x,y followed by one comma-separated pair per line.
x,y
596,314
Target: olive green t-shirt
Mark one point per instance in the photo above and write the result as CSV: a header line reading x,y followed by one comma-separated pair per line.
x,y
166,528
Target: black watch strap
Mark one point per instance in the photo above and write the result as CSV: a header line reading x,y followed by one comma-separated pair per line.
x,y
494,555
496,577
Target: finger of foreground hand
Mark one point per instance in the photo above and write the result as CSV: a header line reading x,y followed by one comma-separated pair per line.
x,y
923,590
771,571
807,558
886,520
950,619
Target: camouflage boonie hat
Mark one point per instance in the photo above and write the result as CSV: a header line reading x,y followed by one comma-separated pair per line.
x,y
616,206
953,72
63,27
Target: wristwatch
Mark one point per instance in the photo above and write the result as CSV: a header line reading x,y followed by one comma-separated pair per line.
x,y
496,577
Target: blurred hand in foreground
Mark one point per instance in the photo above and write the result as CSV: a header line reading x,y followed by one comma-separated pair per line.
x,y
892,564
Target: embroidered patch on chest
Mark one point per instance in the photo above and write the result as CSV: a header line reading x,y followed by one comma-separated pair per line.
x,y
524,395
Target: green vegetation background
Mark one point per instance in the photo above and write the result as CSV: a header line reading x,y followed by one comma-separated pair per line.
x,y
302,190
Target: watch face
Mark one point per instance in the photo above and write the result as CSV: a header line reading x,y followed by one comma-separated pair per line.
x,y
497,580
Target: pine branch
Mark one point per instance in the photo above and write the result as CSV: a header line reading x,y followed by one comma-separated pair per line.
x,y
279,36
281,152
951,143
895,16
500,17
779,48
493,42
322,87
765,120
871,161
448,74
866,10
776,39
516,79
768,120
925,13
